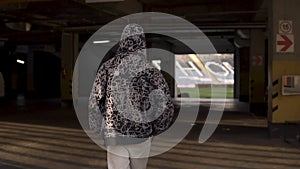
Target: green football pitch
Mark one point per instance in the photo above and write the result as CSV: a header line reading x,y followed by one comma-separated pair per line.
x,y
206,92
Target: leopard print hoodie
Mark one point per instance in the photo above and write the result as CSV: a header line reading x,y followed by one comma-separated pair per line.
x,y
130,100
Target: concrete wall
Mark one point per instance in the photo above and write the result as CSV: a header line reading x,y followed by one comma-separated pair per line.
x,y
257,72
283,108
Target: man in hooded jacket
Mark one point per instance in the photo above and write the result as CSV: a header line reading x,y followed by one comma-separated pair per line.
x,y
133,99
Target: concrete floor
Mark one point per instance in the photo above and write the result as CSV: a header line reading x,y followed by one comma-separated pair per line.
x,y
50,137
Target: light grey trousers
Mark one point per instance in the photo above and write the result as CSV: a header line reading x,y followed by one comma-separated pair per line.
x,y
133,156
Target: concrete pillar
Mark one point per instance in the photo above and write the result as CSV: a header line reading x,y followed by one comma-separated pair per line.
x,y
237,68
69,53
257,72
168,65
30,74
163,52
282,109
244,73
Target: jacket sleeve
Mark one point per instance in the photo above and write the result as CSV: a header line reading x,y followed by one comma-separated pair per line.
x,y
164,121
96,106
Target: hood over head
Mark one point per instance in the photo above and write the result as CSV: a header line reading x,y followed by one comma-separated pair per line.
x,y
132,40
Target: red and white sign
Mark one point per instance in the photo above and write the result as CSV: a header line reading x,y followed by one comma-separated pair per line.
x,y
257,60
285,26
285,43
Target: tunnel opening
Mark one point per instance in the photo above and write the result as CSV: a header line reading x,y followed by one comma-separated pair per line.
x,y
195,75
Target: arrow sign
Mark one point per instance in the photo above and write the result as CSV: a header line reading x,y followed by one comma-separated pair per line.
x,y
284,43
257,60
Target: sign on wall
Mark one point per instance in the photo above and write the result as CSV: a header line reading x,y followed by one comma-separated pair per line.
x,y
285,38
257,60
290,85
285,27
285,43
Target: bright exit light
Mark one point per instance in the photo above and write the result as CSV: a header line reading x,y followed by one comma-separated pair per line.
x,y
20,61
101,41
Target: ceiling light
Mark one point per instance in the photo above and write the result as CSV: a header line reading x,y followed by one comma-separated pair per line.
x,y
19,26
20,61
100,41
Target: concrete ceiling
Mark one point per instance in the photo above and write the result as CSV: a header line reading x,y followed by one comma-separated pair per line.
x,y
45,19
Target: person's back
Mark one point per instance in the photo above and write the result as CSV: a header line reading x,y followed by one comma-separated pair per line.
x,y
133,98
